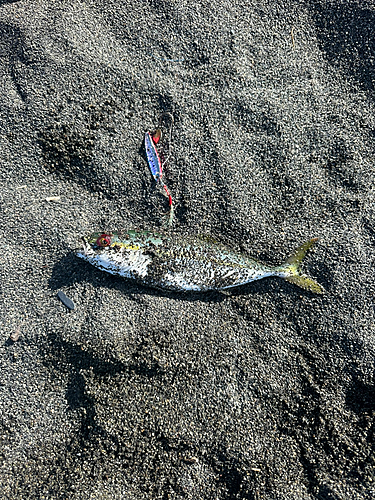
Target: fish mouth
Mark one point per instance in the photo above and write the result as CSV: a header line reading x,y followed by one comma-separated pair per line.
x,y
86,250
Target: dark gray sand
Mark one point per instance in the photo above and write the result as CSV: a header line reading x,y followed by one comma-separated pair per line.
x,y
138,394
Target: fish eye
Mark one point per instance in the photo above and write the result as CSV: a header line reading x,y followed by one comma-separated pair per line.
x,y
104,240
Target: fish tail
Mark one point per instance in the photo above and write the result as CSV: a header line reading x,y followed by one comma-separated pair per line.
x,y
292,269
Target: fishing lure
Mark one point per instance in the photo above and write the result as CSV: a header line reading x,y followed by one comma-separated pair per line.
x,y
155,164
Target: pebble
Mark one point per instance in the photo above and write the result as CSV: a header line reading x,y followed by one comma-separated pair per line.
x,y
65,300
15,335
53,198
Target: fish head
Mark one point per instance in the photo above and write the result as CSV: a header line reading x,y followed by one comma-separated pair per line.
x,y
112,240
100,243
125,254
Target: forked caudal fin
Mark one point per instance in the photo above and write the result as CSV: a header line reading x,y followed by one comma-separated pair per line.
x,y
292,269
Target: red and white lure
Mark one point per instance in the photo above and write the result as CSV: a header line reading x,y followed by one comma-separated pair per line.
x,y
156,166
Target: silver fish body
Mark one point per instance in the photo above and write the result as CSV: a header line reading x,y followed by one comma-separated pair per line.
x,y
182,263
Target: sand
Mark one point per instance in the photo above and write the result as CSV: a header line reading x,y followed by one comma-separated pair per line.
x,y
266,393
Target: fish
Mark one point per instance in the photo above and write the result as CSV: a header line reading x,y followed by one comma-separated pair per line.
x,y
181,263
